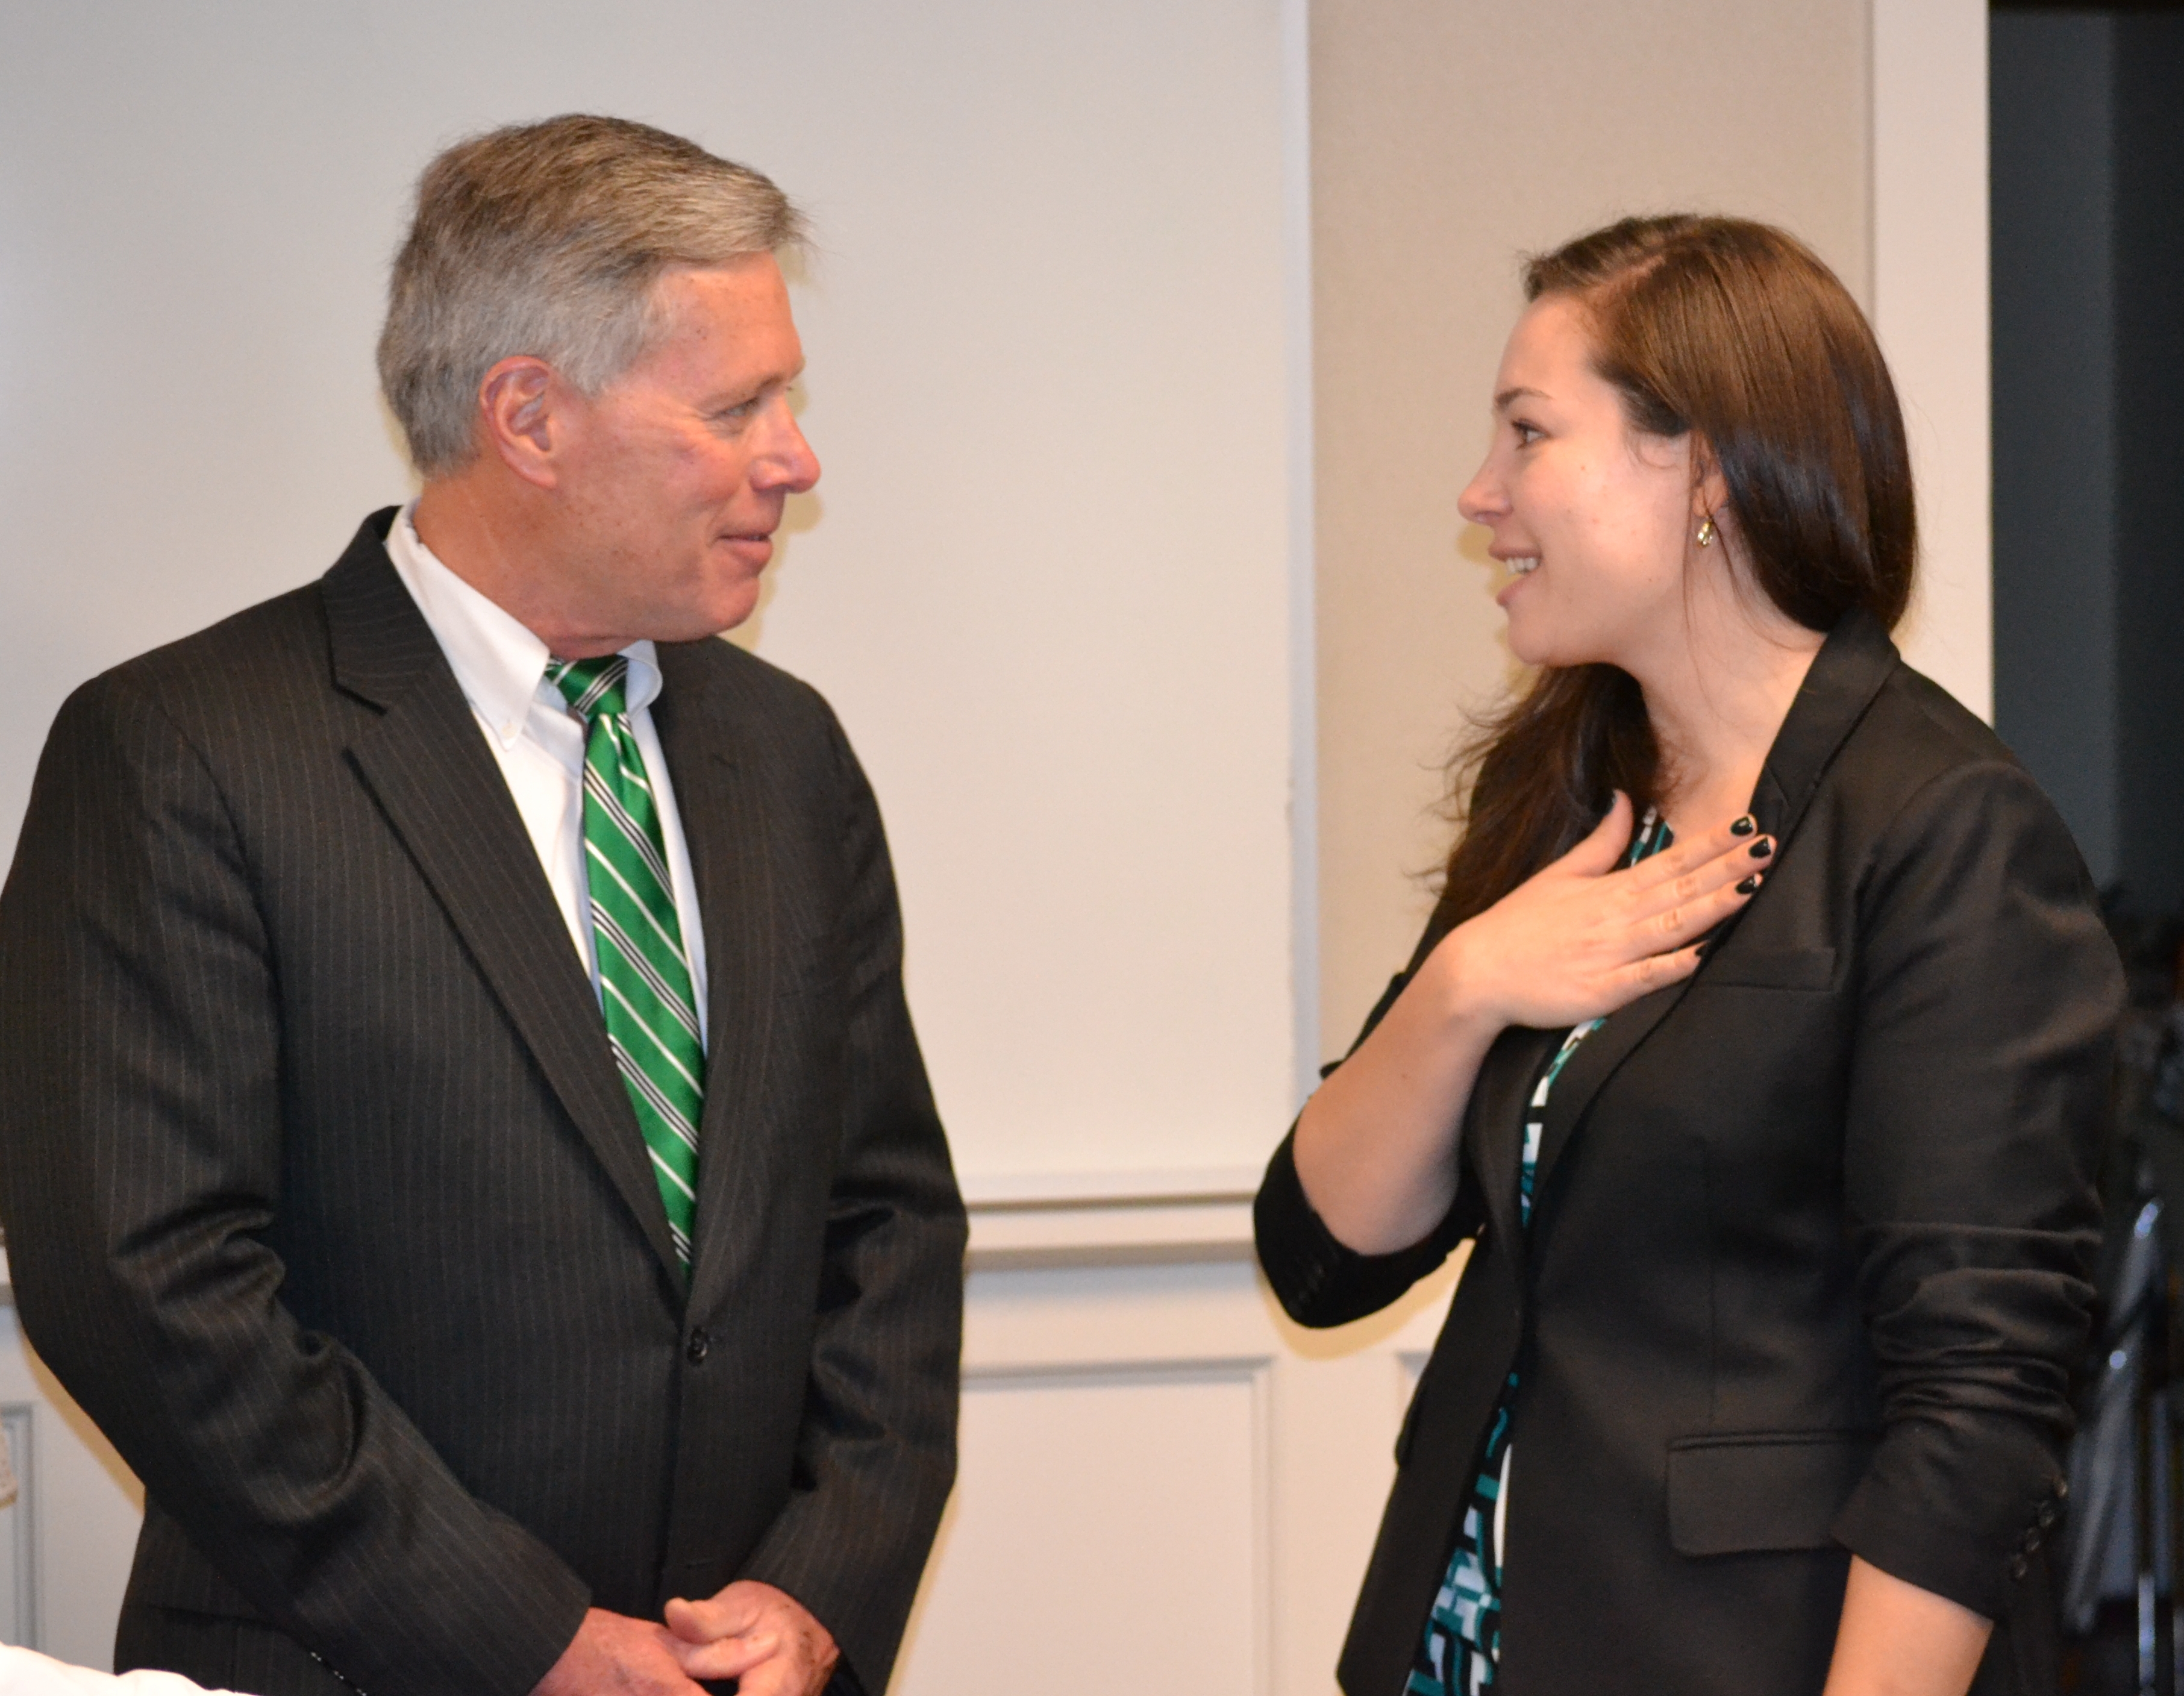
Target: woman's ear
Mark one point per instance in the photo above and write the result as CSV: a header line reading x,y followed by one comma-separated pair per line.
x,y
1709,488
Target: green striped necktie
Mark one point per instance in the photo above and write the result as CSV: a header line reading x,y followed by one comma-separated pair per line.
x,y
644,971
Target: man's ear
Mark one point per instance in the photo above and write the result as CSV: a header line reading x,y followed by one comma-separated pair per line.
x,y
524,409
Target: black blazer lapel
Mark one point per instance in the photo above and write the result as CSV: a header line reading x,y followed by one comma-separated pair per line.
x,y
436,782
718,797
1845,675
1494,1122
1594,1063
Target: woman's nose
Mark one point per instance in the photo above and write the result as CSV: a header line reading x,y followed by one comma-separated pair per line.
x,y
1483,499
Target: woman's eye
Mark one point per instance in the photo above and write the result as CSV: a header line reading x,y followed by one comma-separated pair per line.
x,y
1526,433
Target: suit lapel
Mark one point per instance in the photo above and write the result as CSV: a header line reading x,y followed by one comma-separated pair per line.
x,y
1591,1066
1494,1131
1845,675
718,796
1848,672
435,781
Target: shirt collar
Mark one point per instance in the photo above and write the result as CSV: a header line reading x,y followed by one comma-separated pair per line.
x,y
498,663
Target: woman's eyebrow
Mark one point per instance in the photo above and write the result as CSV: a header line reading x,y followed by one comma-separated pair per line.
x,y
1504,400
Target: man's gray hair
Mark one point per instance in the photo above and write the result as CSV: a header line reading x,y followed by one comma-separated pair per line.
x,y
547,239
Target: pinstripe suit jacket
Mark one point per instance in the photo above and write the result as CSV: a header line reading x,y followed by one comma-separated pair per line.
x,y
324,1198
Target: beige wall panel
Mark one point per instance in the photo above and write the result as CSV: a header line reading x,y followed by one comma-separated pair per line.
x,y
1930,307
1166,1486
1448,136
1069,1568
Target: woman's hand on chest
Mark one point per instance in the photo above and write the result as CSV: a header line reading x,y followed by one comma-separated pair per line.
x,y
1585,935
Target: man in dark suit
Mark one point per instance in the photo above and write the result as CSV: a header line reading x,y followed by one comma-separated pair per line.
x,y
463,1138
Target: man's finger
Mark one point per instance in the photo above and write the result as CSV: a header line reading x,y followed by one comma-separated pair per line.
x,y
726,1614
781,1677
729,1657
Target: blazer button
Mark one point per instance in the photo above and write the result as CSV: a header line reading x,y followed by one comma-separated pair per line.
x,y
698,1347
2062,1488
2018,1569
2031,1540
2047,1514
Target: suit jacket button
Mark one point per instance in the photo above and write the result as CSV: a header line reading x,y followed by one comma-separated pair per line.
x,y
2047,1514
2031,1540
2062,1488
698,1347
2018,1568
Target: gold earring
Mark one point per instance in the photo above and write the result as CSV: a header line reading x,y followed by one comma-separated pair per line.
x,y
1706,532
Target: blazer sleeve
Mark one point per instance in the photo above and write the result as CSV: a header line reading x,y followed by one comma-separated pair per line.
x,y
1988,996
142,1114
876,1455
1319,1280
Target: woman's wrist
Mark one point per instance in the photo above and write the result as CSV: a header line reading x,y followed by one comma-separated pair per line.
x,y
1457,990
1896,1639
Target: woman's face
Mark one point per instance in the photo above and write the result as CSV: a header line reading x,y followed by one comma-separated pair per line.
x,y
1593,519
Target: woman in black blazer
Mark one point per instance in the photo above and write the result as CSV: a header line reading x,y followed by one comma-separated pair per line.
x,y
1757,1043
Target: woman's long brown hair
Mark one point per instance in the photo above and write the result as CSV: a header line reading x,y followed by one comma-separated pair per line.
x,y
1733,330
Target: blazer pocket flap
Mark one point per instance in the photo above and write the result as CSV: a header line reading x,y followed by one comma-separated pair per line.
x,y
1773,969
1736,1495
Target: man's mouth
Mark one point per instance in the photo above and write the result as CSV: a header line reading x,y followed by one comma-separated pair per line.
x,y
752,548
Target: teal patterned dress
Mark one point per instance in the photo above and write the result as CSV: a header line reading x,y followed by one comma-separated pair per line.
x,y
1463,1635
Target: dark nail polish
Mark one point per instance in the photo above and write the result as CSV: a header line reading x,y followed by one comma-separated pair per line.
x,y
1744,826
1762,848
1750,885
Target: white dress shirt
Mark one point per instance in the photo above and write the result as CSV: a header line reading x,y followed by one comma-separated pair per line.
x,y
24,1673
538,742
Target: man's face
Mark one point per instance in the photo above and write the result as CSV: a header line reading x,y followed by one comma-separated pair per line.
x,y
674,476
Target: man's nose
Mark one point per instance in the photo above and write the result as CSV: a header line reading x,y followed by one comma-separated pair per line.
x,y
788,463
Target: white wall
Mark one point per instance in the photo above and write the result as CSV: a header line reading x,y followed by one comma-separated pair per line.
x,y
1045,577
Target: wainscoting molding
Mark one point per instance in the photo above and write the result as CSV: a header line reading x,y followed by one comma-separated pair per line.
x,y
65,1545
18,1528
1165,1484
